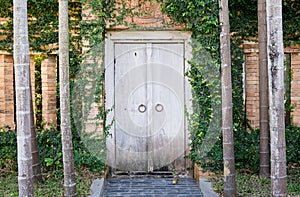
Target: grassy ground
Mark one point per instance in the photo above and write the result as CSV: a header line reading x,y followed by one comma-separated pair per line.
x,y
52,185
252,185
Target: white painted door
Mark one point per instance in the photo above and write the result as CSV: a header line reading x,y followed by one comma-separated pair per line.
x,y
149,106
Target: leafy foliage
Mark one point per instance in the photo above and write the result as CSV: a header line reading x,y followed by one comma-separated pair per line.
x,y
43,37
247,150
201,18
50,147
50,151
87,81
38,91
293,144
291,27
8,149
42,25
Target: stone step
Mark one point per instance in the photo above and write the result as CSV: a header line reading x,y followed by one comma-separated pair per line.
x,y
151,187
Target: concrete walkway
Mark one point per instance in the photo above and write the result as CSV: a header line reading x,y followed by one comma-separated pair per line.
x,y
133,187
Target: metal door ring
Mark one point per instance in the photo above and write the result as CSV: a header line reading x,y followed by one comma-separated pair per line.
x,y
159,107
142,108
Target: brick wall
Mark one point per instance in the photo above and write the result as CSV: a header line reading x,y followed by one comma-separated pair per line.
x,y
252,82
152,18
295,85
6,91
7,100
48,72
32,78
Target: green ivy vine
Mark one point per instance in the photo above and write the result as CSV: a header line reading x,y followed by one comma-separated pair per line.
x,y
201,17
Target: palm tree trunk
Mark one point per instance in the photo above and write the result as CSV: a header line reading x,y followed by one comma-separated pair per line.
x,y
228,144
67,146
22,86
264,154
276,92
37,175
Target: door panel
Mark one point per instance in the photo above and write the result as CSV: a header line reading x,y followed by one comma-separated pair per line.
x,y
149,105
130,93
167,142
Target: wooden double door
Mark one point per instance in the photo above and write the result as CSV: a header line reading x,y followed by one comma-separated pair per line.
x,y
149,106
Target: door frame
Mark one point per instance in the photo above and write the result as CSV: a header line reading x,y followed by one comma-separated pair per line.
x,y
130,36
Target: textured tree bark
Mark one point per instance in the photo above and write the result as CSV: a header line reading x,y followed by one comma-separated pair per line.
x,y
36,169
67,146
264,154
276,97
22,88
228,144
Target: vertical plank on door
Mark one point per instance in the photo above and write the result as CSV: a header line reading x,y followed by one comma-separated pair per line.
x,y
149,51
130,102
167,141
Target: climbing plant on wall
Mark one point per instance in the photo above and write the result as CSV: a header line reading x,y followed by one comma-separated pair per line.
x,y
88,84
201,18
42,24
88,21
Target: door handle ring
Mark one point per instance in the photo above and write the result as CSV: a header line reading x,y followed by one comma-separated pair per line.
x,y
142,108
159,107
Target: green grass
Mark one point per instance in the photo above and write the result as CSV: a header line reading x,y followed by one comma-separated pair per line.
x,y
52,185
252,185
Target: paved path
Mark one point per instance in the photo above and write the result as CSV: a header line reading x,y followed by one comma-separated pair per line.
x,y
135,187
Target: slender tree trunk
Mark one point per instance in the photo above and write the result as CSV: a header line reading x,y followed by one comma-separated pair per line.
x,y
228,144
37,175
276,99
67,146
22,81
264,154
36,169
